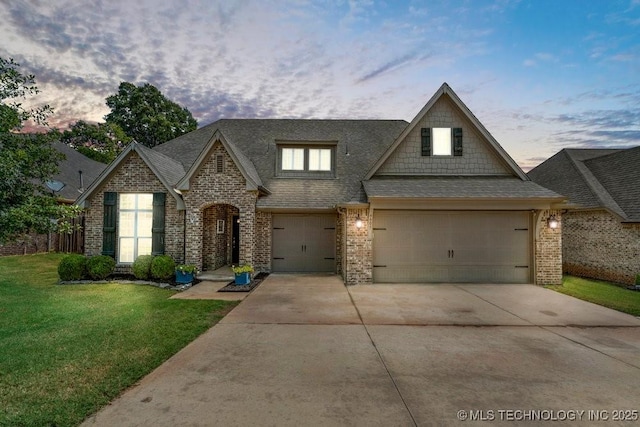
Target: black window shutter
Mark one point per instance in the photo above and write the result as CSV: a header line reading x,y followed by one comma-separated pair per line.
x,y
426,141
457,141
109,224
157,228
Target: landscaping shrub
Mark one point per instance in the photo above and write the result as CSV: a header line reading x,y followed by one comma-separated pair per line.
x,y
142,267
100,267
163,267
72,267
638,279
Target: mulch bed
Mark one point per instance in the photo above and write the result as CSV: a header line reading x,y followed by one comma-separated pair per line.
x,y
232,287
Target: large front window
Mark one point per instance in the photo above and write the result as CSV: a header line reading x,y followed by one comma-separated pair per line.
x,y
135,222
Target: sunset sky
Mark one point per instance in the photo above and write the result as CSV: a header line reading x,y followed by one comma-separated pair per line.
x,y
540,75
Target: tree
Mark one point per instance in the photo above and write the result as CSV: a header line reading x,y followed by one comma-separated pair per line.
x,y
101,142
13,87
147,116
26,162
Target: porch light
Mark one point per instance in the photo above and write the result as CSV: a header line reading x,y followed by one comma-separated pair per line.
x,y
358,222
553,222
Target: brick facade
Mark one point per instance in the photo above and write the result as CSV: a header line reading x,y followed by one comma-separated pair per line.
x,y
548,250
133,176
597,245
262,252
358,264
477,159
208,187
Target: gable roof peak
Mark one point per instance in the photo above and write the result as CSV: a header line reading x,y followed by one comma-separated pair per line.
x,y
445,89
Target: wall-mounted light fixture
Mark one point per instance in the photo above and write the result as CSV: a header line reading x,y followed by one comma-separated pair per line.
x,y
553,222
358,222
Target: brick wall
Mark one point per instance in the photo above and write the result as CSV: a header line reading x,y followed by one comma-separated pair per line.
x,y
597,245
548,249
477,157
133,176
208,188
358,268
262,253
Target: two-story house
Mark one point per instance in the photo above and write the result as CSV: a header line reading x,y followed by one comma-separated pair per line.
x,y
436,200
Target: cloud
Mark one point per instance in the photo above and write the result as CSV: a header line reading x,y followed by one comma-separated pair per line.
x,y
393,65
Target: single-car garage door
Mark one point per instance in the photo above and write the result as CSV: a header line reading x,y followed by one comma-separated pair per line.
x,y
304,243
454,247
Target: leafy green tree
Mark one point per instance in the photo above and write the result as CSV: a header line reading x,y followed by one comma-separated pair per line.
x,y
101,142
14,87
147,116
26,163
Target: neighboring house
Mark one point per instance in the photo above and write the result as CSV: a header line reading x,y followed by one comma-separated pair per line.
x,y
76,172
601,233
434,200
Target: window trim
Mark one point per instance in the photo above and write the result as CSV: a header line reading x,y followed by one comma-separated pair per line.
x,y
135,235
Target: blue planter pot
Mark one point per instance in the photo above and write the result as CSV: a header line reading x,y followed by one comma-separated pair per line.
x,y
243,278
182,277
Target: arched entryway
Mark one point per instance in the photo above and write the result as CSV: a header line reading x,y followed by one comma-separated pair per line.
x,y
221,236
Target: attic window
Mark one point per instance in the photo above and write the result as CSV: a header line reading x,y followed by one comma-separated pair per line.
x,y
310,161
219,163
443,142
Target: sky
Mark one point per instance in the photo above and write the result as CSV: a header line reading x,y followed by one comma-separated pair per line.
x,y
541,75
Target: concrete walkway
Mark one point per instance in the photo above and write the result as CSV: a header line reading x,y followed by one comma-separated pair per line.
x,y
305,350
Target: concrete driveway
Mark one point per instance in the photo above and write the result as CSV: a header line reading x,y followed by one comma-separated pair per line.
x,y
305,350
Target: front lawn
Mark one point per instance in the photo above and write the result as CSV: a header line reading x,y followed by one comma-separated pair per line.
x,y
67,350
602,293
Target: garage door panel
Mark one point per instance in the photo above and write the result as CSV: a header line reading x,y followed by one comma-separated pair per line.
x,y
304,243
478,246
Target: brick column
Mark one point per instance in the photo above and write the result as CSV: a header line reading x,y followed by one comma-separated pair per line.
x,y
358,262
548,250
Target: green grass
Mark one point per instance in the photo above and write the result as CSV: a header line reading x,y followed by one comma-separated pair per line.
x,y
602,293
67,350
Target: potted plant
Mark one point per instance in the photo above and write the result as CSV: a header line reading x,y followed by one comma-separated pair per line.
x,y
242,273
185,273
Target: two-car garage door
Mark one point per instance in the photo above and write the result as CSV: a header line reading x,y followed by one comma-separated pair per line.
x,y
455,247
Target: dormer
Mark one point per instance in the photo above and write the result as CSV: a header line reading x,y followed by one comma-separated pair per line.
x,y
306,159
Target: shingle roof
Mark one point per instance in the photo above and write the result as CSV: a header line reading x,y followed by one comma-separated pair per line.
x,y
619,174
69,171
256,139
458,187
170,169
595,178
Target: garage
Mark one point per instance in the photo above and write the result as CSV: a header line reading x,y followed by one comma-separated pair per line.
x,y
304,243
451,246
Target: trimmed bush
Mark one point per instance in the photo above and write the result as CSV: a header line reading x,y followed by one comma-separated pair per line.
x,y
72,267
100,267
163,267
142,267
638,279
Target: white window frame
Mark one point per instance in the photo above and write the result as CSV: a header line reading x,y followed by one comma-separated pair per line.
x,y
293,159
137,234
442,142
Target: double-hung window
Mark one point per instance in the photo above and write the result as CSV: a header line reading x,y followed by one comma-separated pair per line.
x,y
135,223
